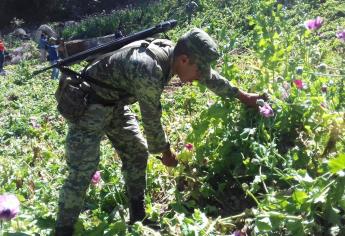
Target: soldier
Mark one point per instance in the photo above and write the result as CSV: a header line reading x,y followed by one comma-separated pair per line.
x,y
191,8
118,33
59,29
136,72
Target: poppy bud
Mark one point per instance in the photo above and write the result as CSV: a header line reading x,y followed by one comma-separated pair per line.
x,y
299,70
322,67
96,178
260,102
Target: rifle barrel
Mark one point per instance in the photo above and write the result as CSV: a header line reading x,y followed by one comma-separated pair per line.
x,y
112,45
44,69
118,43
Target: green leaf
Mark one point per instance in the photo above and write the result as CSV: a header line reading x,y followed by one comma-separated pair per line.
x,y
342,202
264,224
185,156
332,215
299,196
262,42
321,197
295,228
337,164
117,228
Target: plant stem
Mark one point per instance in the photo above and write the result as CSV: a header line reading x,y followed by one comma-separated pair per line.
x,y
263,182
254,198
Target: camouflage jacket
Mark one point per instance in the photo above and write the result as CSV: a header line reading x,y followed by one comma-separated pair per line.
x,y
140,76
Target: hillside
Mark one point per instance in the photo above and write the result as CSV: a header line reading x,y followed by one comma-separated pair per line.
x,y
280,174
57,10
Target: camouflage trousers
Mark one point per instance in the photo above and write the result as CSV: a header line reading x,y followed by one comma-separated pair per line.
x,y
83,153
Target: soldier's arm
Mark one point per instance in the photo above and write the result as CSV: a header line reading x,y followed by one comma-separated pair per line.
x,y
148,95
222,87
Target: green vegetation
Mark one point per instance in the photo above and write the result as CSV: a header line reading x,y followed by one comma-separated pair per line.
x,y
282,175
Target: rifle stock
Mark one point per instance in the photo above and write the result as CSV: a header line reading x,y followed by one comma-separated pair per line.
x,y
112,46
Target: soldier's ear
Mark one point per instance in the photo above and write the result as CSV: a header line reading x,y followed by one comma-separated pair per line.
x,y
184,59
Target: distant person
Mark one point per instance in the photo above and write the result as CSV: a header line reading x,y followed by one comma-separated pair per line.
x,y
62,50
42,45
191,9
59,28
53,56
2,57
118,34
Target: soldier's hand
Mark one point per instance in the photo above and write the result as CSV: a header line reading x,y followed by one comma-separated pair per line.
x,y
169,158
250,99
264,96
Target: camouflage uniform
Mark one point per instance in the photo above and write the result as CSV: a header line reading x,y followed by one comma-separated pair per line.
x,y
140,75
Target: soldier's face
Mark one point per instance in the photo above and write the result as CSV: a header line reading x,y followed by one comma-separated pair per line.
x,y
186,71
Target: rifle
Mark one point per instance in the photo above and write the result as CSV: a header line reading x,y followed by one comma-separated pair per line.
x,y
111,46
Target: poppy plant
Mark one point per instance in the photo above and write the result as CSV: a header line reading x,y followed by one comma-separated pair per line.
x,y
266,110
9,206
314,24
96,178
189,146
298,83
341,35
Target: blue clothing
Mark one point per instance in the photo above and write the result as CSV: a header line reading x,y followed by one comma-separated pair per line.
x,y
53,53
55,72
53,58
42,43
2,58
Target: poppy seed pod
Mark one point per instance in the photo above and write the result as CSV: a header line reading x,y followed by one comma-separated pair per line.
x,y
260,102
322,67
299,70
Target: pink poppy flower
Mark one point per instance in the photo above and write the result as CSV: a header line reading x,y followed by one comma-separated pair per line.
x,y
266,110
236,233
189,146
96,178
298,83
9,206
239,233
341,35
314,24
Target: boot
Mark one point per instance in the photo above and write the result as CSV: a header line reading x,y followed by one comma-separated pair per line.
x,y
64,231
136,210
137,213
152,224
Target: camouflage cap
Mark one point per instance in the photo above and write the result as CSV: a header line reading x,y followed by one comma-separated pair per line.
x,y
203,48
